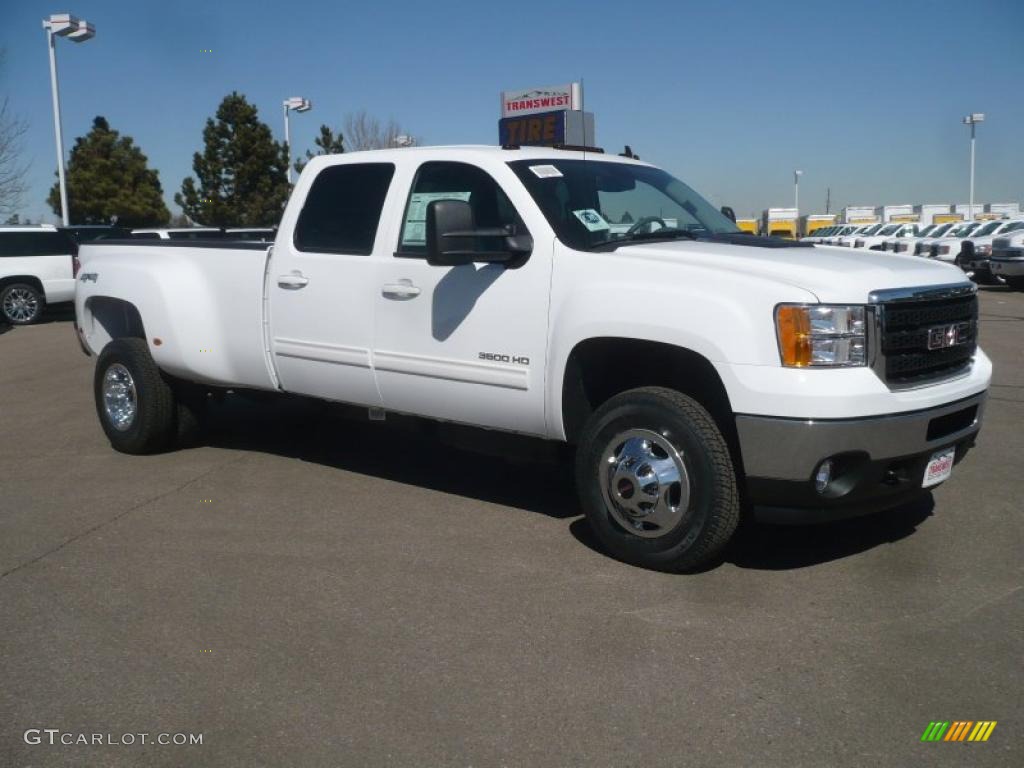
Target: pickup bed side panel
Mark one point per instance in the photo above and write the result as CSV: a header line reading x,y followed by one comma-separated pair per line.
x,y
201,308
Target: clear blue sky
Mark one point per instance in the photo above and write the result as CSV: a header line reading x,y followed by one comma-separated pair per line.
x,y
865,97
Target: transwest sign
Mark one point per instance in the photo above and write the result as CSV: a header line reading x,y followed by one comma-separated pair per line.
x,y
548,98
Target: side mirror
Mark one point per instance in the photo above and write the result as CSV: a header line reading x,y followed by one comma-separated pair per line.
x,y
453,238
729,213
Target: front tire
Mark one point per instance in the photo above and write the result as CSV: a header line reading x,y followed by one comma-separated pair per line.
x,y
135,404
21,303
656,480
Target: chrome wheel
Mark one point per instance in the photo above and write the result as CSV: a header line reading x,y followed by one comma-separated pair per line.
x,y
119,398
21,305
644,482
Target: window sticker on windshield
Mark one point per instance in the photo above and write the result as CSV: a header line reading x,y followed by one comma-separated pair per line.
x,y
592,220
546,172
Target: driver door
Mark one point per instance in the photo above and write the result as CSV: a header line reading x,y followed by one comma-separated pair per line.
x,y
464,343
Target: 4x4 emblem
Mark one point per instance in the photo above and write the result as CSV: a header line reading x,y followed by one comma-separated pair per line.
x,y
944,336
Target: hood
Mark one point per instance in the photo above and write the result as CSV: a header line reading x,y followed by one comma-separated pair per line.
x,y
832,274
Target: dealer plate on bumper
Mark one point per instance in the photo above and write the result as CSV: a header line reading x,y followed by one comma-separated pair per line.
x,y
939,468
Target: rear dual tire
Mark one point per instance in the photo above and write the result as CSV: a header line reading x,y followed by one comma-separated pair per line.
x,y
656,481
138,408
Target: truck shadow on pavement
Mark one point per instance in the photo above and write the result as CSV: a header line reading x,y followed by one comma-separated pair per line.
x,y
401,449
763,547
537,477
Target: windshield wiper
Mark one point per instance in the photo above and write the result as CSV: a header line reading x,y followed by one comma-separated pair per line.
x,y
658,234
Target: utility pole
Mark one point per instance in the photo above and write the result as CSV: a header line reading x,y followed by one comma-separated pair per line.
x,y
828,200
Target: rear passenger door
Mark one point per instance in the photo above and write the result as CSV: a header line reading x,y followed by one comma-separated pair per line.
x,y
321,285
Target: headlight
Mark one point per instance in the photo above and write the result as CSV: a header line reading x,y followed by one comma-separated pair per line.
x,y
821,335
943,250
983,250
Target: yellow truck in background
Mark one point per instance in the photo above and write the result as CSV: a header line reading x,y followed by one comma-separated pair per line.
x,y
780,222
815,221
747,225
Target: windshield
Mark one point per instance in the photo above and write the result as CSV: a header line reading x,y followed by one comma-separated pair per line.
x,y
595,203
965,230
988,228
870,230
890,229
1013,226
941,230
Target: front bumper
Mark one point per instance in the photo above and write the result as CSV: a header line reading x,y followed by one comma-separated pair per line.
x,y
1007,266
976,264
879,461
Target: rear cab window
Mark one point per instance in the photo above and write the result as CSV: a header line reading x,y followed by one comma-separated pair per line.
x,y
342,211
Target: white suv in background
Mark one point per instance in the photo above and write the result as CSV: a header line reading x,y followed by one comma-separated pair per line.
x,y
36,269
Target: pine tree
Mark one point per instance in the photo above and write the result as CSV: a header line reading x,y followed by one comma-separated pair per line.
x,y
108,176
242,171
328,144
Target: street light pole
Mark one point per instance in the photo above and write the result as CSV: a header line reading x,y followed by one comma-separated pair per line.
x,y
972,120
63,25
51,43
299,104
796,190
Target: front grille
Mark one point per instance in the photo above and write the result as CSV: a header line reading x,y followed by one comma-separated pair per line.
x,y
907,326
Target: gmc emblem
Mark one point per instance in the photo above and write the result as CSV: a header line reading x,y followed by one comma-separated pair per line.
x,y
944,336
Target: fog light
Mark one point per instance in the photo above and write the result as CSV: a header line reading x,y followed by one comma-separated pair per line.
x,y
823,476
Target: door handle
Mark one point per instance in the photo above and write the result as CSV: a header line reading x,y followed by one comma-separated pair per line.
x,y
402,290
293,281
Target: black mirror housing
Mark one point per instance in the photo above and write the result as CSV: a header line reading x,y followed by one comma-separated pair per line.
x,y
729,213
453,238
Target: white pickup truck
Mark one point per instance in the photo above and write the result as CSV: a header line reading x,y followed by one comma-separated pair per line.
x,y
698,371
1007,259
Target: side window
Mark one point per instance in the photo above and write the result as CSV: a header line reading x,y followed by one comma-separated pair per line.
x,y
454,181
343,209
41,243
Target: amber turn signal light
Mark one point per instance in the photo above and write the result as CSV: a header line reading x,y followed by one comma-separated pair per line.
x,y
794,330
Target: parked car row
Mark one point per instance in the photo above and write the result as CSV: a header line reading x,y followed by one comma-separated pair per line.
x,y
37,262
969,244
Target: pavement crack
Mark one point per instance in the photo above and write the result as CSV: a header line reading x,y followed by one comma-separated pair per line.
x,y
118,516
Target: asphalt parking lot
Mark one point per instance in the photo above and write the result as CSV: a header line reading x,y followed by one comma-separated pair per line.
x,y
306,590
